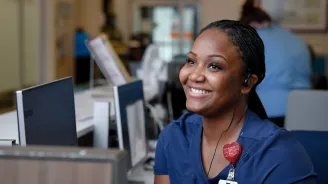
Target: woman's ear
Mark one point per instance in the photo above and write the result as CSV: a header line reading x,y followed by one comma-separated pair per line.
x,y
249,83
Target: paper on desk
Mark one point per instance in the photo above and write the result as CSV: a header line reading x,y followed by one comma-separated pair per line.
x,y
108,61
137,133
7,142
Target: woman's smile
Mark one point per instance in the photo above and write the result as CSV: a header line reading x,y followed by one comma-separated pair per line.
x,y
196,92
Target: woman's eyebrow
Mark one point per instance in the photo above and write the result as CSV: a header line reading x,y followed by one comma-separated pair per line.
x,y
192,53
211,56
220,56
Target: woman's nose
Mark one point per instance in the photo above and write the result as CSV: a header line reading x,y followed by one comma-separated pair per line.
x,y
197,76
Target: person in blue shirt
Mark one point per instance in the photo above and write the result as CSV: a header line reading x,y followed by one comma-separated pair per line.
x,y
287,60
222,70
82,57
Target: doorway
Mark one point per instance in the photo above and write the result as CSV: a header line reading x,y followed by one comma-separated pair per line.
x,y
173,25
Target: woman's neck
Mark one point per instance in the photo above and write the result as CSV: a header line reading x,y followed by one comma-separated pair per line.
x,y
229,123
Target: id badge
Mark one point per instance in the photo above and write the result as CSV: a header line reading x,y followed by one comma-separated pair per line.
x,y
230,179
227,182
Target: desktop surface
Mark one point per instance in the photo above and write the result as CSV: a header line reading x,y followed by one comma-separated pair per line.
x,y
84,115
9,126
9,129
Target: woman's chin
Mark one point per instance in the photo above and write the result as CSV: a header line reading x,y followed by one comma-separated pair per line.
x,y
203,110
195,109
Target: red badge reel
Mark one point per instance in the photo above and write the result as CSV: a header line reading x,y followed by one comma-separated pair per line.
x,y
232,153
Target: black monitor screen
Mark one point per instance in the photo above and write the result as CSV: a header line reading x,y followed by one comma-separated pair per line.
x,y
46,114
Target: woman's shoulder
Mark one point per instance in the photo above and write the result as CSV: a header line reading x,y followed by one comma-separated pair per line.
x,y
266,135
276,151
285,157
278,141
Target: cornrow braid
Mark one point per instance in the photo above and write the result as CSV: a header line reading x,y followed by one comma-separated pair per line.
x,y
249,43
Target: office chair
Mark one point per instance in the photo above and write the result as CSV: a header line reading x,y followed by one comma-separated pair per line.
x,y
307,110
176,99
316,145
306,118
153,74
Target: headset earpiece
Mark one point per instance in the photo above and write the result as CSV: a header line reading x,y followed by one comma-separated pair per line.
x,y
247,80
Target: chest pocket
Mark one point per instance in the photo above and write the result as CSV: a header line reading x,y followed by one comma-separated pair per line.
x,y
188,180
186,174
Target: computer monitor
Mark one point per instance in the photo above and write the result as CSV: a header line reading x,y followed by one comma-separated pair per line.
x,y
46,114
130,119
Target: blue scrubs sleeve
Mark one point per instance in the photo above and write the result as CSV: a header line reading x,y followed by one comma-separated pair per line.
x,y
288,169
160,167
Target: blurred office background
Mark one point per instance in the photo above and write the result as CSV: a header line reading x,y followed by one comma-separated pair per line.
x,y
37,37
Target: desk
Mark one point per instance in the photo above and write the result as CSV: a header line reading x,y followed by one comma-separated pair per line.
x,y
84,102
84,107
84,111
9,126
84,123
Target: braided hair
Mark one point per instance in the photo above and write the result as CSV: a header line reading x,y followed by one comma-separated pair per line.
x,y
251,47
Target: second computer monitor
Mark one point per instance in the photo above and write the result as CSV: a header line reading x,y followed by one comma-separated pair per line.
x,y
46,114
130,119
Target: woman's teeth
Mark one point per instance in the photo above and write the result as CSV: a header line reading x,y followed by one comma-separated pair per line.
x,y
197,91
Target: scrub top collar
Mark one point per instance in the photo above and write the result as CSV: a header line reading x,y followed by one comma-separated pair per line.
x,y
249,130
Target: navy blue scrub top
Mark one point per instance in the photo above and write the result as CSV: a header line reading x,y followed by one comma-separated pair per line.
x,y
270,155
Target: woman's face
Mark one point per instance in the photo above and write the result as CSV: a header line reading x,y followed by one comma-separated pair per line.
x,y
212,77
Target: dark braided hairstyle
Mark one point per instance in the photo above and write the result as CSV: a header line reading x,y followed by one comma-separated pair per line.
x,y
251,48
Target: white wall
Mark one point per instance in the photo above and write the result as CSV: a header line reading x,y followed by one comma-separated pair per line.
x,y
31,43
39,42
121,9
11,76
86,13
9,55
89,15
212,10
47,41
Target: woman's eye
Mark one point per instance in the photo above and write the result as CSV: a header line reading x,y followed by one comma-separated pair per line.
x,y
190,61
214,66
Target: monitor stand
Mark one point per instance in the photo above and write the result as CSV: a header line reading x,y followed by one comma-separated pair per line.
x,y
141,174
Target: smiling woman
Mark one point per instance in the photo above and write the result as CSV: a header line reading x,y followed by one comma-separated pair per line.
x,y
222,70
212,67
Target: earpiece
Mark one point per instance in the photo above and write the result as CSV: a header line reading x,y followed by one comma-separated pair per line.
x,y
247,80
